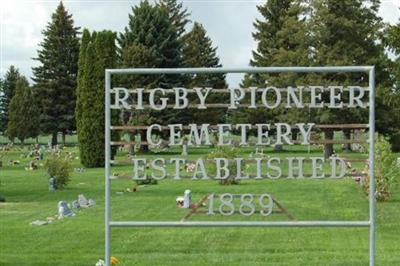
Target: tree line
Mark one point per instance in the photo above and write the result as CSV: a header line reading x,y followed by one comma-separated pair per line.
x,y
68,89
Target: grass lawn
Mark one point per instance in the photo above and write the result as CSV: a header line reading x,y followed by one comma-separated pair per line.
x,y
80,240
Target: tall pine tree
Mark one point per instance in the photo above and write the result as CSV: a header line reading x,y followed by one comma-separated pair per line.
x,y
7,92
274,13
346,33
81,79
56,75
150,26
179,17
23,113
2,110
151,34
98,52
177,14
282,37
198,51
390,96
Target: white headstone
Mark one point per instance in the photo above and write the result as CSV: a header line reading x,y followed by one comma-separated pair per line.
x,y
82,200
91,202
187,198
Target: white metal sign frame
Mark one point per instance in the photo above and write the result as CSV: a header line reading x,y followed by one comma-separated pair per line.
x,y
370,70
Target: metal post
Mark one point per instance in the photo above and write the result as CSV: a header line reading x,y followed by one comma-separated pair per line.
x,y
372,199
107,167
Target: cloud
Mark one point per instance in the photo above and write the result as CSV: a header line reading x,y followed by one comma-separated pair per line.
x,y
229,24
389,11
21,23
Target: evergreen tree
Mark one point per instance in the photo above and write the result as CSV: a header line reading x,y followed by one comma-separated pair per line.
x,y
151,32
177,14
82,98
2,127
98,52
198,51
179,17
7,92
389,108
274,13
150,26
346,33
81,78
138,55
293,43
23,113
56,75
282,38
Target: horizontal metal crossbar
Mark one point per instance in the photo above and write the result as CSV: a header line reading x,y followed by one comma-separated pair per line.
x,y
240,224
316,69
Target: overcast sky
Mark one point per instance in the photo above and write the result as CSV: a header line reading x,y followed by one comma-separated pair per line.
x,y
229,23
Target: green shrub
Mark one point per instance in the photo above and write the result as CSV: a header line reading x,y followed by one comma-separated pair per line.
x,y
59,168
395,142
147,181
230,154
386,170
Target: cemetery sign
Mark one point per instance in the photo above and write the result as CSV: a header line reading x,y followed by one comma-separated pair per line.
x,y
266,134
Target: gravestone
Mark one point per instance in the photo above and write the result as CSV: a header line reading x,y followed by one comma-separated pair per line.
x,y
82,200
52,184
64,210
187,198
76,205
39,223
92,202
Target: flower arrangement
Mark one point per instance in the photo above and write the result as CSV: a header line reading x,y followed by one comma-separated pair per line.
x,y
113,261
